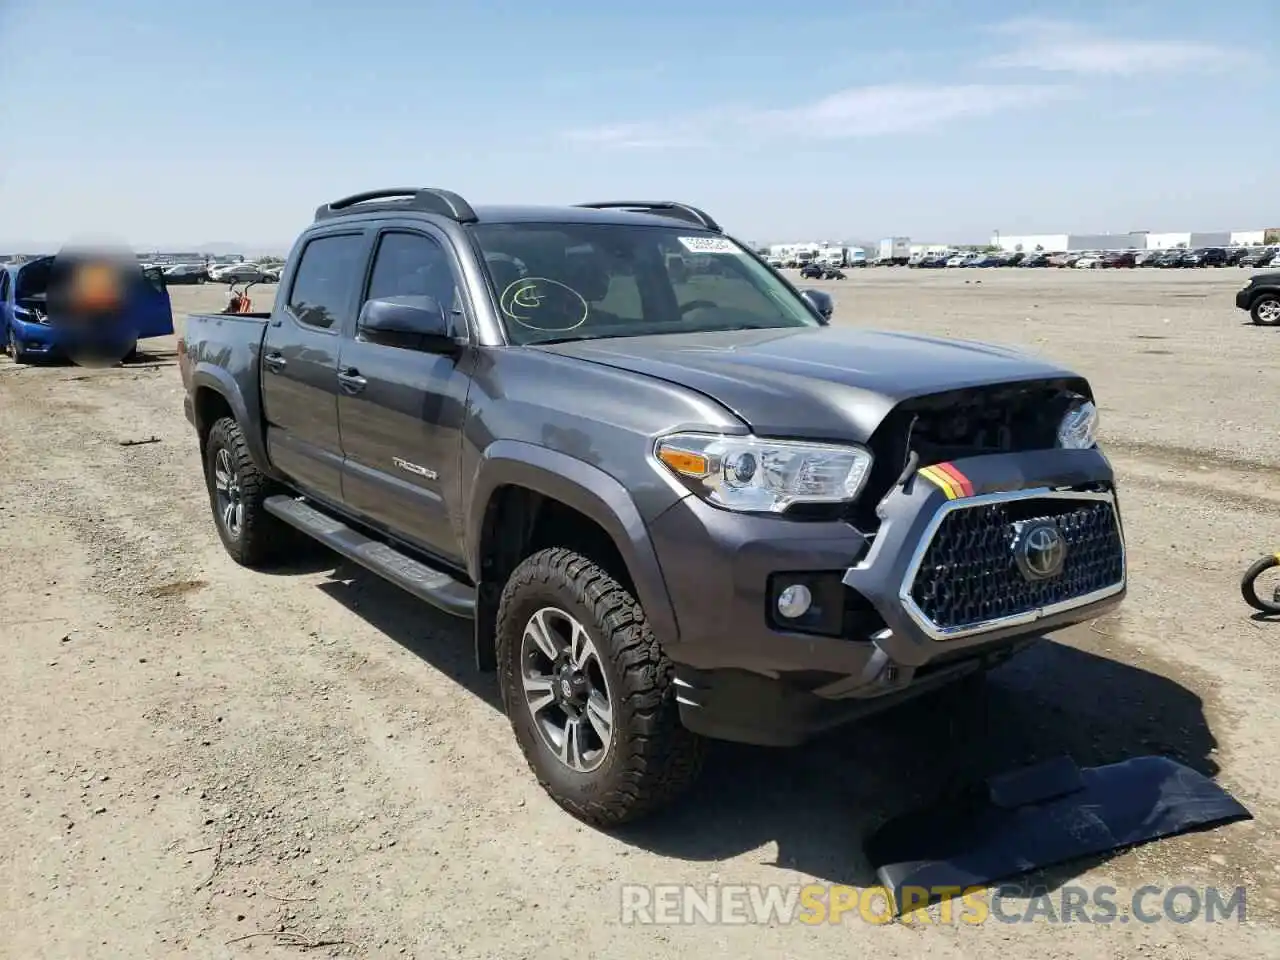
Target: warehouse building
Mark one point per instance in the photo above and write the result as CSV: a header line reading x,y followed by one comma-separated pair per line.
x,y
1249,238
1137,240
1220,238
1167,241
1060,242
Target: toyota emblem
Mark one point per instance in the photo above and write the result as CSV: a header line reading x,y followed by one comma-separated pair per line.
x,y
1039,549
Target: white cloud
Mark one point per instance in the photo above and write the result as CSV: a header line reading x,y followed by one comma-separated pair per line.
x,y
1061,47
882,110
635,136
856,112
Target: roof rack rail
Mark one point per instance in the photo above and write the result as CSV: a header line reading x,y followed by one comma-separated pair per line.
x,y
668,208
445,203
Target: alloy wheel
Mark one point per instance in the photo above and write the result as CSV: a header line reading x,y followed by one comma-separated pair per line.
x,y
226,485
566,690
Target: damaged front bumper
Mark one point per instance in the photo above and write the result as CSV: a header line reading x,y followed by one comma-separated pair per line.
x,y
946,586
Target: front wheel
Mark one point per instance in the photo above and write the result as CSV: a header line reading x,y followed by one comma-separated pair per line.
x,y
1266,310
1267,601
589,692
14,350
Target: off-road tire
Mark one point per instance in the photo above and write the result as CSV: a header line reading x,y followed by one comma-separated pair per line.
x,y
1256,310
263,539
1249,585
653,758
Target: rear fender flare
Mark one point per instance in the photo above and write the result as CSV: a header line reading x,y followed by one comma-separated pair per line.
x,y
590,491
222,383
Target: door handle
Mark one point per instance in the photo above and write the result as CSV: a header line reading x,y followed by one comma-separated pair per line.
x,y
275,362
351,380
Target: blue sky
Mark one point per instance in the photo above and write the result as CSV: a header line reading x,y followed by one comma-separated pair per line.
x,y
180,124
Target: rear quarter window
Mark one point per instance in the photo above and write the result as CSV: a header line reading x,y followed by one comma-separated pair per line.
x,y
324,282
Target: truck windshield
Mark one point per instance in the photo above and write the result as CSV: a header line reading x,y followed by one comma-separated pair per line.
x,y
558,281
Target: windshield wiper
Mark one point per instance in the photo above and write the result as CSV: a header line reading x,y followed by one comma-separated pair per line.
x,y
539,343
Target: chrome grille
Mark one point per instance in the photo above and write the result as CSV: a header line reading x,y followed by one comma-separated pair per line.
x,y
966,578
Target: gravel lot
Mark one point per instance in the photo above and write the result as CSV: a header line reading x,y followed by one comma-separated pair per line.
x,y
203,760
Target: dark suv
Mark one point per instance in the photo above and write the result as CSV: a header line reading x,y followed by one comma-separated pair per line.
x,y
821,271
675,501
1119,258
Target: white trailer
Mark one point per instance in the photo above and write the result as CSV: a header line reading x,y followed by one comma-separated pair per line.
x,y
794,254
896,250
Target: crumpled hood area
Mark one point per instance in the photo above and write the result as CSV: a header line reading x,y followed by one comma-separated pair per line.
x,y
813,382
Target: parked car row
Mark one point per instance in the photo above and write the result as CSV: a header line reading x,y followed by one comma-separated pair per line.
x,y
1104,259
803,263
245,273
183,273
1209,257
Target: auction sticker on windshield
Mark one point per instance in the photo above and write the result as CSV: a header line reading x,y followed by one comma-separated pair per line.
x,y
710,245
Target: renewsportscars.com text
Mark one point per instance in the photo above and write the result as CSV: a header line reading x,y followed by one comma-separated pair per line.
x,y
815,904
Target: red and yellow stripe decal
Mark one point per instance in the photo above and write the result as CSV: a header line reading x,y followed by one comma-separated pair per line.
x,y
949,480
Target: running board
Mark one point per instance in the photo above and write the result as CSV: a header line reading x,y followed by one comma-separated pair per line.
x,y
425,583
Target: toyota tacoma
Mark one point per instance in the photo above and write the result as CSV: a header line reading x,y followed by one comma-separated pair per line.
x,y
675,500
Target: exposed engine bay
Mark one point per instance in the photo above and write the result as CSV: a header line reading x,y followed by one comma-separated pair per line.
x,y
31,288
1002,418
979,421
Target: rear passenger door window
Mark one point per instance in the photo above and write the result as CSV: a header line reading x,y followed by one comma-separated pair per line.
x,y
325,280
415,265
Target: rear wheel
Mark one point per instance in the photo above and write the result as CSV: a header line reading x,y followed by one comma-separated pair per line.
x,y
237,489
1266,310
589,692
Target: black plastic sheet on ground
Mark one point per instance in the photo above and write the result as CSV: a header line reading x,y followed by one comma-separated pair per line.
x,y
1039,816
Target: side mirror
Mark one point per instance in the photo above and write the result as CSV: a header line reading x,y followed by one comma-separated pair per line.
x,y
414,322
821,302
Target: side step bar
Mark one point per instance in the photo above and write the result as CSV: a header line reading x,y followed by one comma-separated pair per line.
x,y
425,583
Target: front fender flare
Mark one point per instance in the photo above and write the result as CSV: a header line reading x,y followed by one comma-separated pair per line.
x,y
590,491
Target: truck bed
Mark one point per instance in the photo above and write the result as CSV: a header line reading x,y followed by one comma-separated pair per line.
x,y
217,347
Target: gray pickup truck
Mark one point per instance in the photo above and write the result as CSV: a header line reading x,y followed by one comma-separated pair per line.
x,y
675,500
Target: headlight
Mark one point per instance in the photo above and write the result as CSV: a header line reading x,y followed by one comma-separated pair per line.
x,y
1079,427
28,315
753,474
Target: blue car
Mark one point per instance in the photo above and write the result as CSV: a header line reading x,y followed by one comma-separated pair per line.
x,y
25,331
986,260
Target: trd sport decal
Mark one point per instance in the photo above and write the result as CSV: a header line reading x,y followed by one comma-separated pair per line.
x,y
949,480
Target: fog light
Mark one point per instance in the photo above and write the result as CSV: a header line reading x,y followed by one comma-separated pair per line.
x,y
794,601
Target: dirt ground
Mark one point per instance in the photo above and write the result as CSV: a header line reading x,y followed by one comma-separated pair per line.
x,y
204,761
